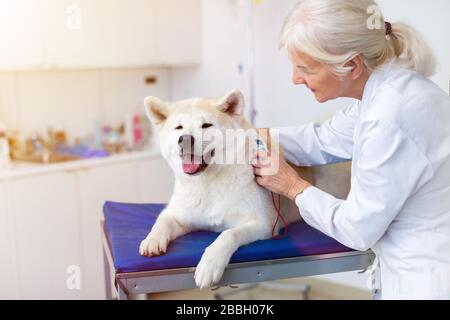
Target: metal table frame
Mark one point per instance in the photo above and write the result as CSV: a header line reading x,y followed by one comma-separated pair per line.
x,y
128,284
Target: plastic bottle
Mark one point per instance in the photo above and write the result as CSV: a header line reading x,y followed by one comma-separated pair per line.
x,y
129,131
137,130
5,158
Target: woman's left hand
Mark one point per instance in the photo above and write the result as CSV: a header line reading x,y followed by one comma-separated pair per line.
x,y
275,174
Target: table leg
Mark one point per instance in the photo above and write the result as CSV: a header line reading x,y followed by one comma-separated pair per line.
x,y
107,269
122,295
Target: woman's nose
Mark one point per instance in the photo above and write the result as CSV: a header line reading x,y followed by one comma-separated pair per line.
x,y
297,80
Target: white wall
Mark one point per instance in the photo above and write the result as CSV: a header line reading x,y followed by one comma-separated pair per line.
x,y
282,104
224,49
279,102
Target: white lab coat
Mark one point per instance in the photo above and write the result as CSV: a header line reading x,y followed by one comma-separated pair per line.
x,y
398,137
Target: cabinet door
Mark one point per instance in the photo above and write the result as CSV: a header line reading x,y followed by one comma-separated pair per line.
x,y
155,181
22,34
115,183
179,31
9,277
47,236
141,181
66,34
72,35
126,32
100,33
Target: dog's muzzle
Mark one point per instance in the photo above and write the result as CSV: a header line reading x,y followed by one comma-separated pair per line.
x,y
193,164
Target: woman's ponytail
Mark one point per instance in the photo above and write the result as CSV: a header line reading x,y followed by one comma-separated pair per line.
x,y
411,50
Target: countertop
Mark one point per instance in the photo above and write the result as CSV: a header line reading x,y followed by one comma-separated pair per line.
x,y
23,169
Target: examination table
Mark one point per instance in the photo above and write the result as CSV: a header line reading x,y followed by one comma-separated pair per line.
x,y
304,251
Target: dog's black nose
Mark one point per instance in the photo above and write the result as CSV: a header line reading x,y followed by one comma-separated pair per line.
x,y
186,141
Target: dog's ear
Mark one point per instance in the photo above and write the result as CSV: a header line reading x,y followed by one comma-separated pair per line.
x,y
232,103
157,110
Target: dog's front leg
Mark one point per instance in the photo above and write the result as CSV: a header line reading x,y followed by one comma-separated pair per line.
x,y
166,229
217,256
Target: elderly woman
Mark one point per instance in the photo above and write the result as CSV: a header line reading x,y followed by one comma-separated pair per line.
x,y
397,134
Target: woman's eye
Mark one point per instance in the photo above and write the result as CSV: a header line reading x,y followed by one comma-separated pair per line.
x,y
179,128
303,70
206,125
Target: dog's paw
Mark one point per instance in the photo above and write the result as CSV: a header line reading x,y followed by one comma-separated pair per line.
x,y
151,247
210,269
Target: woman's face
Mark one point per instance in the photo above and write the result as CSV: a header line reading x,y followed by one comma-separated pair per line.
x,y
318,77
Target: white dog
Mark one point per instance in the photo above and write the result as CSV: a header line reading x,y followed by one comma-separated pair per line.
x,y
208,195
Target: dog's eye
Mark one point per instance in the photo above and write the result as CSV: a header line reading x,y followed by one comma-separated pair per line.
x,y
206,125
179,128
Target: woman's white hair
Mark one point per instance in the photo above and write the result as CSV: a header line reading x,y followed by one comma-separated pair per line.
x,y
335,31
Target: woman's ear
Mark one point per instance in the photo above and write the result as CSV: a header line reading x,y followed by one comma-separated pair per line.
x,y
156,110
357,66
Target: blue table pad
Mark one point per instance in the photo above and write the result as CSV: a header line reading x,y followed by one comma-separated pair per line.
x,y
126,225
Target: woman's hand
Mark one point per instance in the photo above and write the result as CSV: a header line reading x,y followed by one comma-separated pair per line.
x,y
275,174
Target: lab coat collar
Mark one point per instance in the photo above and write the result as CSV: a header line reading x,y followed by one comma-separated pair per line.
x,y
376,79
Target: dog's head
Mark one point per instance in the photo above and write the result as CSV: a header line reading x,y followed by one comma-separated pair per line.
x,y
188,130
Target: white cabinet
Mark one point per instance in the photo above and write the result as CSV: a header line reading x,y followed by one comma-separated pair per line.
x,y
71,34
50,221
155,181
46,232
127,32
9,278
100,33
21,34
141,181
115,183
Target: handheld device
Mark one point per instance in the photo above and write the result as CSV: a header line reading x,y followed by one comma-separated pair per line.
x,y
261,145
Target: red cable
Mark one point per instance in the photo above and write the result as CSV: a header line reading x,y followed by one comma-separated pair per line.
x,y
280,216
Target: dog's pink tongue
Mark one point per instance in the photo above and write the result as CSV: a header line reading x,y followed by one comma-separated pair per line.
x,y
190,168
191,165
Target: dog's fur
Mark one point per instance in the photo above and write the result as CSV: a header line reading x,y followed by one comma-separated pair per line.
x,y
222,198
